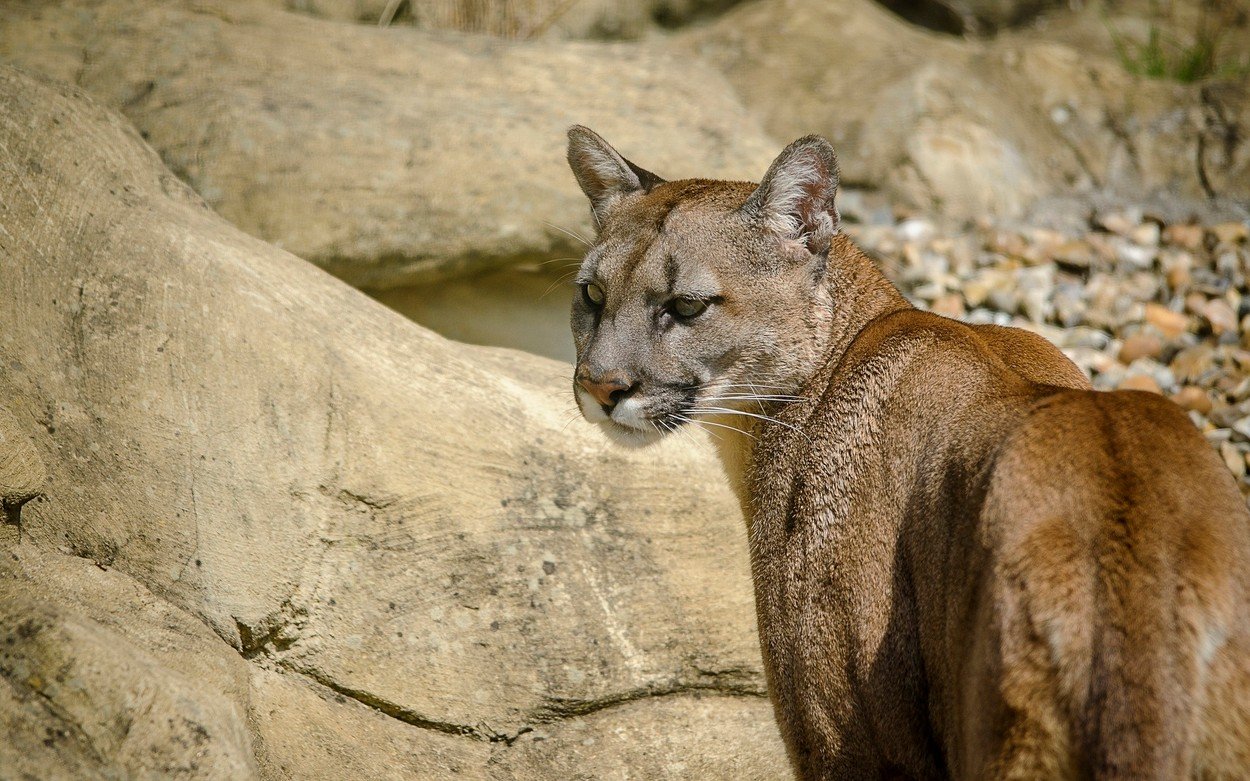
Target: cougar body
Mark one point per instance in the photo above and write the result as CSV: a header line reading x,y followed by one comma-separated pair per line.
x,y
967,563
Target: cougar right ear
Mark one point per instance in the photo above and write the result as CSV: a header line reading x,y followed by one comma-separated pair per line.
x,y
604,175
796,197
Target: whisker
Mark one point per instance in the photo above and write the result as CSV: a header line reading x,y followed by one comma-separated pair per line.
x,y
702,422
577,236
561,281
727,411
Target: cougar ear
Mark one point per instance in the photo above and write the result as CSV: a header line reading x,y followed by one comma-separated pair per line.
x,y
604,175
796,197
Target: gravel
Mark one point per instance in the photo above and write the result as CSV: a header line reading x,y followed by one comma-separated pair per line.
x,y
1135,301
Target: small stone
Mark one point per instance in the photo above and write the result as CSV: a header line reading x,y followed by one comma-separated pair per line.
x,y
1192,364
1192,397
1141,382
1170,324
1136,256
1140,345
1077,255
1146,234
1186,236
1242,428
915,230
949,305
1195,303
1178,267
1233,459
1220,315
1116,222
1231,232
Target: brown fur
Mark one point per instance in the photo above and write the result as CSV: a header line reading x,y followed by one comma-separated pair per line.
x,y
967,563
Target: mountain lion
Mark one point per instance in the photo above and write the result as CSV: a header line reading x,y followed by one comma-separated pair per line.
x,y
967,563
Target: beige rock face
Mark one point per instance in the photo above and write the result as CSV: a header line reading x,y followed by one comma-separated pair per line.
x,y
976,127
529,19
383,155
22,473
326,536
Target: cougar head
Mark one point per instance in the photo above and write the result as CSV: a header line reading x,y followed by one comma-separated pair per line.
x,y
699,298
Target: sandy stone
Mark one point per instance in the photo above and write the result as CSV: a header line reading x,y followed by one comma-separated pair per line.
x,y
1230,232
1185,236
1171,324
1193,398
1234,459
1141,382
1220,315
949,305
386,156
1140,345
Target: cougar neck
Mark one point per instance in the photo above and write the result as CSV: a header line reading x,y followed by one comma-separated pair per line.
x,y
859,294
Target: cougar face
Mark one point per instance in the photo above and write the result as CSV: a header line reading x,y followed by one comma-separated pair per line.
x,y
698,298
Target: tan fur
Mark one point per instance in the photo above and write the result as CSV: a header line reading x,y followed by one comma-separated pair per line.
x,y
967,563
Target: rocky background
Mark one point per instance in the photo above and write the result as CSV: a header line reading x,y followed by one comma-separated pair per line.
x,y
259,525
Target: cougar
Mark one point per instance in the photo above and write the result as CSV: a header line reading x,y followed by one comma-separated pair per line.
x,y
967,563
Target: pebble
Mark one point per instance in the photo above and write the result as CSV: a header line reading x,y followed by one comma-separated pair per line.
x,y
1146,234
1140,345
1186,236
1135,302
1192,397
1230,232
1141,382
1171,324
1220,315
1234,459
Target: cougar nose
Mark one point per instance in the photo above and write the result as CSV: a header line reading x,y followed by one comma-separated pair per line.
x,y
607,389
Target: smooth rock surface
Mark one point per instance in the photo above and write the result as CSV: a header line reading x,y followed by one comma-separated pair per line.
x,y
977,127
386,156
304,515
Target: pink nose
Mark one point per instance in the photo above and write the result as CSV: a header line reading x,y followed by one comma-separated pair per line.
x,y
608,389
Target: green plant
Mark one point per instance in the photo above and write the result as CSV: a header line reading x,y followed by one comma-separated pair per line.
x,y
1165,56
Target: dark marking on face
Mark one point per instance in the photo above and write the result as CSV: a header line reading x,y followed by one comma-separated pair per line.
x,y
670,273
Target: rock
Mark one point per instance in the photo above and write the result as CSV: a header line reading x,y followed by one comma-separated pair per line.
x,y
1171,324
22,472
1220,316
1230,232
387,157
1194,364
949,305
976,127
1145,235
318,531
1134,255
1118,222
104,679
1140,345
1187,237
1233,458
1140,382
596,19
1177,267
1193,398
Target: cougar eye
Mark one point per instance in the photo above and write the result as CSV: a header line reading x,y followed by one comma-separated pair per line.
x,y
593,294
687,308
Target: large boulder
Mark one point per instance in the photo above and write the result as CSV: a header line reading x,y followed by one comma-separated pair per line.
x,y
385,156
972,127
601,19
290,534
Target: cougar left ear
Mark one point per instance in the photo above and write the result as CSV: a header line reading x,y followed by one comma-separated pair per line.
x,y
604,175
796,197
